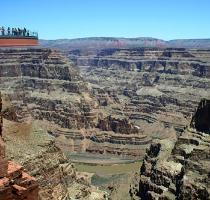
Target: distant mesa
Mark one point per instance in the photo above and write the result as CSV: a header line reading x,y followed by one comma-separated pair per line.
x,y
17,37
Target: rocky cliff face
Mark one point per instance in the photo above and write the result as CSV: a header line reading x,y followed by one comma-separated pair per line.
x,y
200,120
40,84
178,170
31,146
46,80
15,183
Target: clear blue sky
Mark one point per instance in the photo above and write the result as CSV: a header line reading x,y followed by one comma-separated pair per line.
x,y
56,19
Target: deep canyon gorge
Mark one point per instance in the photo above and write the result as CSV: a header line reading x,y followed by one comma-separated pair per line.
x,y
108,105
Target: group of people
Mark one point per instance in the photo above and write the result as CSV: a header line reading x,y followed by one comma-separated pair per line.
x,y
14,31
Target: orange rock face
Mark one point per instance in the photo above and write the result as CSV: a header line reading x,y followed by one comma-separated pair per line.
x,y
15,184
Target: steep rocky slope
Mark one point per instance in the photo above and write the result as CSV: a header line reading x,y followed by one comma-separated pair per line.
x,y
179,170
15,183
31,146
27,143
157,89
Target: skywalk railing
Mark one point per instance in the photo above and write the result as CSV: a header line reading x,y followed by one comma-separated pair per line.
x,y
18,34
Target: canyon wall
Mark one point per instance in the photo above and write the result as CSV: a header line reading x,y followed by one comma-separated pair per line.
x,y
15,183
42,84
28,144
127,98
178,169
157,89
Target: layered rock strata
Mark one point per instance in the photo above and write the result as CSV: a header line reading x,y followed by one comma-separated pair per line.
x,y
153,86
43,84
15,183
152,89
31,146
179,170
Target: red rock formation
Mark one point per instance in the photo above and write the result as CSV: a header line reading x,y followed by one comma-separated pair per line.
x,y
15,184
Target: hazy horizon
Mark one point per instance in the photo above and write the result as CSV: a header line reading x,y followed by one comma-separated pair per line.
x,y
126,38
70,19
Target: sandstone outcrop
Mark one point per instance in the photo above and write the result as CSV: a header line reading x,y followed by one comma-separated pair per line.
x,y
178,169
